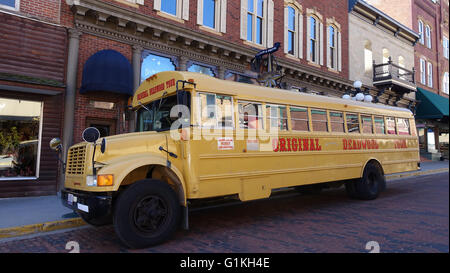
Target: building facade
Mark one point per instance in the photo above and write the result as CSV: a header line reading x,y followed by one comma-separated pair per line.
x,y
88,57
430,18
32,84
382,55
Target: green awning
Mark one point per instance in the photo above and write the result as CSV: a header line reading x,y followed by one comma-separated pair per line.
x,y
431,106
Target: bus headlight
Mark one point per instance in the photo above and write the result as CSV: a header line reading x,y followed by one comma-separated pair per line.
x,y
91,181
105,180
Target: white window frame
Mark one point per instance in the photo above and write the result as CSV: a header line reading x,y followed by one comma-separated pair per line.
x,y
16,7
267,25
445,83
298,29
220,18
319,37
428,36
445,47
429,74
422,38
288,31
182,11
423,79
337,57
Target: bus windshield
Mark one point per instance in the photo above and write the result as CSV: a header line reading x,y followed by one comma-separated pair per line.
x,y
157,115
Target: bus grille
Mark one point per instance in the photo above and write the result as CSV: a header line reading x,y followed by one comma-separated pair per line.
x,y
76,159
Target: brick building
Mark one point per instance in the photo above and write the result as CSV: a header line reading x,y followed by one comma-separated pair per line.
x,y
430,18
32,84
219,38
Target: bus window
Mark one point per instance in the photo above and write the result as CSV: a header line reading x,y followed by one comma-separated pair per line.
x,y
379,125
337,122
277,116
319,120
367,124
352,123
390,122
403,126
250,115
216,111
299,119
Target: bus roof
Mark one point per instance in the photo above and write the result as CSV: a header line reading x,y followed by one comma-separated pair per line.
x,y
164,83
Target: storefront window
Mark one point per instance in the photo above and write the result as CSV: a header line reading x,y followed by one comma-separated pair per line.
x,y
201,69
20,123
153,64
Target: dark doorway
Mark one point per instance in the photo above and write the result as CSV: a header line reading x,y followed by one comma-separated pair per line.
x,y
106,127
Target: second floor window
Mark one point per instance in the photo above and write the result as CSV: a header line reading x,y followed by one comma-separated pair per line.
x,y
430,74
428,36
212,14
10,4
176,8
292,30
422,40
422,71
313,43
445,47
257,21
334,54
445,83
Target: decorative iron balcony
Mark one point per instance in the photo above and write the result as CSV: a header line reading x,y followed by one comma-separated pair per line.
x,y
392,76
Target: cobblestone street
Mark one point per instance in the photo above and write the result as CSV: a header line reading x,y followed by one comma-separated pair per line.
x,y
412,215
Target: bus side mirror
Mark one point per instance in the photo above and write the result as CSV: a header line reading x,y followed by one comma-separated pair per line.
x,y
91,134
55,144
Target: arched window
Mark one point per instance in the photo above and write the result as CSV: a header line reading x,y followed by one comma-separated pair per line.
x,y
201,69
153,64
428,36
293,29
314,36
422,40
368,58
313,41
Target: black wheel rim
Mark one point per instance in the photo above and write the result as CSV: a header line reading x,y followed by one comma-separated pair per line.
x,y
150,214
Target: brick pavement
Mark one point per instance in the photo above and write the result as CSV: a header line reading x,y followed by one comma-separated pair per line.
x,y
411,216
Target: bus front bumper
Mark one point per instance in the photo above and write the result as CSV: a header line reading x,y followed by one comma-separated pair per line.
x,y
89,204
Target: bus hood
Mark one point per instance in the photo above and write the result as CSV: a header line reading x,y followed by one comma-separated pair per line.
x,y
128,144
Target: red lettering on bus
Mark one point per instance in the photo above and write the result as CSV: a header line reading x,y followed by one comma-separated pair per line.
x,y
282,145
294,144
289,144
305,144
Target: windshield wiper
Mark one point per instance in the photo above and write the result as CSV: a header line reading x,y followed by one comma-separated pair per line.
x,y
145,107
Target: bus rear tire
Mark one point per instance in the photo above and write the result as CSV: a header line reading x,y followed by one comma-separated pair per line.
x,y
369,186
147,213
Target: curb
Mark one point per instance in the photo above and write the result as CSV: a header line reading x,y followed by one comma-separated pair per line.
x,y
77,222
42,227
416,173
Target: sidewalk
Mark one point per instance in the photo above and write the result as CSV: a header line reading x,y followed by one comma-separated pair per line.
x,y
28,215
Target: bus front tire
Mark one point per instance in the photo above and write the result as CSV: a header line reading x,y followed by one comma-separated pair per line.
x,y
369,186
147,213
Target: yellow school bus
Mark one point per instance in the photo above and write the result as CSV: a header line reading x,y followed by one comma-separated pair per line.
x,y
200,137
